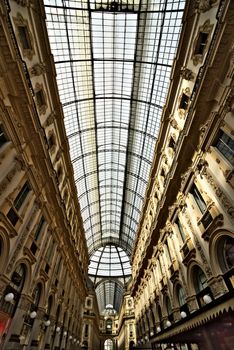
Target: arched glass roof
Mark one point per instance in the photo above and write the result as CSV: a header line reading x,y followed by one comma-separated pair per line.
x,y
113,62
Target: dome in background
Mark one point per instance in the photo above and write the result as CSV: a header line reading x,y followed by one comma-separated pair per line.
x,y
110,261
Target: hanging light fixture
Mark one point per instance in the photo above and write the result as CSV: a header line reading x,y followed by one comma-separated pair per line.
x,y
9,297
183,314
57,329
168,323
33,314
207,299
47,323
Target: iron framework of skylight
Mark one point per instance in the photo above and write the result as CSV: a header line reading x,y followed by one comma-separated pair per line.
x,y
113,62
109,292
110,261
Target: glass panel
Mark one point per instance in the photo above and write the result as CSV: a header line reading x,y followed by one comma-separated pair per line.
x,y
198,199
181,296
225,145
200,280
21,196
180,229
113,63
39,228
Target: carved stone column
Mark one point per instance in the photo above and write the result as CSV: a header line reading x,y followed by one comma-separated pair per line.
x,y
49,333
37,331
57,336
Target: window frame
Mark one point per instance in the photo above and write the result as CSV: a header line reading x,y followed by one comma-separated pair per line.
x,y
198,199
13,213
217,139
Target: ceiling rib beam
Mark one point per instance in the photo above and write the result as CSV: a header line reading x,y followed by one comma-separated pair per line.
x,y
95,113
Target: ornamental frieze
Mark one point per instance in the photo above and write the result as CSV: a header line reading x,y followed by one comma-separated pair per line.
x,y
220,194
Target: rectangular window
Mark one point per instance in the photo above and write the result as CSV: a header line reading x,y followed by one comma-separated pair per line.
x,y
172,143
49,253
206,219
3,138
39,229
160,266
58,266
198,198
13,216
21,196
40,98
33,248
180,229
225,145
47,268
184,102
168,252
24,37
86,330
201,43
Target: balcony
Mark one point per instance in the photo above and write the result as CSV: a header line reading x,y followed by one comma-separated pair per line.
x,y
188,252
206,219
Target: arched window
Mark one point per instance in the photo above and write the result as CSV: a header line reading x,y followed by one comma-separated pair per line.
x,y
108,345
159,312
168,305
181,300
18,278
200,281
202,289
109,325
226,253
49,305
57,313
15,287
169,309
181,295
37,295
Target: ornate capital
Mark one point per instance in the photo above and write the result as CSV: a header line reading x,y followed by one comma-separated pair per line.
x,y
187,74
37,69
203,5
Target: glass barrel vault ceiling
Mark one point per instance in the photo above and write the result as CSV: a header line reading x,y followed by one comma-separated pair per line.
x,y
113,62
